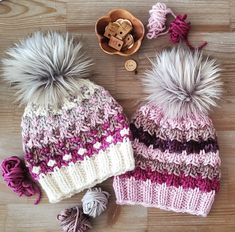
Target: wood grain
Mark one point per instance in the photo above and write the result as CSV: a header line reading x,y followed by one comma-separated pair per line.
x,y
212,20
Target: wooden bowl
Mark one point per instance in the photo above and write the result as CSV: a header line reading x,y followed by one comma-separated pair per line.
x,y
137,32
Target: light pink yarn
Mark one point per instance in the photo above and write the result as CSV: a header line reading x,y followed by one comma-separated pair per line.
x,y
157,21
138,192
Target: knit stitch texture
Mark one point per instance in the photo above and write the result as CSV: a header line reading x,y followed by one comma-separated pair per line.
x,y
75,135
177,163
78,146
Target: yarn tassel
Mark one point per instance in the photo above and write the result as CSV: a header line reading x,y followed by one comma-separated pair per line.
x,y
15,174
74,220
77,219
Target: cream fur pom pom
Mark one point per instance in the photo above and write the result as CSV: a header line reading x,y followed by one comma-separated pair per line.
x,y
183,82
46,68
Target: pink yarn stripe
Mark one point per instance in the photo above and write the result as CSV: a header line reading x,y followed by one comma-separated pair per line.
x,y
202,158
98,111
150,112
41,160
100,132
174,134
206,171
193,201
201,132
46,136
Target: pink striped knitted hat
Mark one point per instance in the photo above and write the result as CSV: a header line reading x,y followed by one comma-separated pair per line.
x,y
174,141
75,134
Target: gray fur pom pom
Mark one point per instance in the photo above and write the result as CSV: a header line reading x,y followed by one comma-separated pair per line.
x,y
46,68
183,82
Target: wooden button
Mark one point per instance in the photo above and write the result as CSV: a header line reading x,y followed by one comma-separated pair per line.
x,y
111,29
115,43
126,21
118,33
130,65
124,29
128,41
119,21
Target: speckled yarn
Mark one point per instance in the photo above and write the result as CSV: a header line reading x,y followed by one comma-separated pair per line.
x,y
177,163
177,158
75,135
84,143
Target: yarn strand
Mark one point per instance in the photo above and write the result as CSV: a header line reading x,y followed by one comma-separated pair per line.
x,y
178,28
74,220
157,20
95,201
15,174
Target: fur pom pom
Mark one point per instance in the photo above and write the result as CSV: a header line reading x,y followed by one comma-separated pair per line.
x,y
46,68
183,82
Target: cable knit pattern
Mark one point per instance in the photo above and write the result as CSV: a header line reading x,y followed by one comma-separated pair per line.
x,y
78,145
177,163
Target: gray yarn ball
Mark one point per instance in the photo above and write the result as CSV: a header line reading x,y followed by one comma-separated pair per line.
x,y
94,202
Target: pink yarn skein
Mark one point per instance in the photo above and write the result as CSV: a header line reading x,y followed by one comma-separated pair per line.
x,y
15,175
157,21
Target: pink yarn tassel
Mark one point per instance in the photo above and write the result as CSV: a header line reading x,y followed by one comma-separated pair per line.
x,y
74,220
14,173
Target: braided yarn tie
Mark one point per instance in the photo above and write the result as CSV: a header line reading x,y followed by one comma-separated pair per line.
x,y
157,21
94,202
74,220
15,174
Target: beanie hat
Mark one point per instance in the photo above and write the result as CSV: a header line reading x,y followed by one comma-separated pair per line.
x,y
174,141
75,134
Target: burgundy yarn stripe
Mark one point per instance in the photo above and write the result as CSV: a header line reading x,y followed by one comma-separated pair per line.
x,y
174,146
40,157
205,171
205,185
